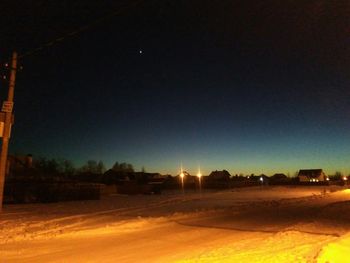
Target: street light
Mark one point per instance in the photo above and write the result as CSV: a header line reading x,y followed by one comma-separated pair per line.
x,y
199,175
182,175
261,180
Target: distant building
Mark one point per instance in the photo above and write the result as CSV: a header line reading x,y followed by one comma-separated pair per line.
x,y
220,175
19,163
264,178
111,177
279,177
312,175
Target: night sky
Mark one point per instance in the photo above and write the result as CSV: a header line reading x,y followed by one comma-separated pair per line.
x,y
246,86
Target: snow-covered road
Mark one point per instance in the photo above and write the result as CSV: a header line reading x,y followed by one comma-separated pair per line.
x,y
269,224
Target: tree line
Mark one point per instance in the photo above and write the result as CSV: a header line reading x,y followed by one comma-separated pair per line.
x,y
68,167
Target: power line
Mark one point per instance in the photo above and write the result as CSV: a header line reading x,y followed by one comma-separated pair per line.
x,y
79,30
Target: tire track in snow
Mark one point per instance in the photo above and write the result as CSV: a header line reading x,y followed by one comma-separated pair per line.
x,y
54,227
255,230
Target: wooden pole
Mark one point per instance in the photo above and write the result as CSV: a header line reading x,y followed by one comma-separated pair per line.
x,y
7,109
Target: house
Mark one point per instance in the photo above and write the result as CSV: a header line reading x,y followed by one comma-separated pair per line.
x,y
279,177
17,163
219,175
312,175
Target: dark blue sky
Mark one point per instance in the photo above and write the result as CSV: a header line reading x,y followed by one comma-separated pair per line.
x,y
247,86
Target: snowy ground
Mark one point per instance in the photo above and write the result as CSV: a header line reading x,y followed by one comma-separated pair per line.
x,y
258,224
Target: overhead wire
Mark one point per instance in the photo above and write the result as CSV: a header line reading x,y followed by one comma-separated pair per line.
x,y
4,66
80,29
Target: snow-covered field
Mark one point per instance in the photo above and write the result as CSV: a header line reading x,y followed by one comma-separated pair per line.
x,y
258,224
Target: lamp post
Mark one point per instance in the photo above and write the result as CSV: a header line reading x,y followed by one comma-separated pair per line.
x,y
182,175
199,175
262,180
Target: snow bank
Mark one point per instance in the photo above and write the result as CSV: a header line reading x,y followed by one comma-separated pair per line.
x,y
336,252
258,224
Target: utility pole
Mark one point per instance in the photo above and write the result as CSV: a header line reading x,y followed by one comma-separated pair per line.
x,y
7,110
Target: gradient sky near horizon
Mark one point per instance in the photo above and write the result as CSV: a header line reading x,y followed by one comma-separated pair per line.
x,y
246,86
